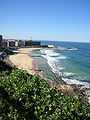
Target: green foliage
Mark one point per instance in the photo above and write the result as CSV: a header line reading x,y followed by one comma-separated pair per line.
x,y
4,69
26,97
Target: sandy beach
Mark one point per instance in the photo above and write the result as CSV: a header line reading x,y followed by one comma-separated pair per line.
x,y
24,61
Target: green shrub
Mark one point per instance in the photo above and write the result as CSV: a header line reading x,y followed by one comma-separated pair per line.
x,y
4,69
26,97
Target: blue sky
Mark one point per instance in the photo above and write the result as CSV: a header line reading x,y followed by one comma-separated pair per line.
x,y
67,20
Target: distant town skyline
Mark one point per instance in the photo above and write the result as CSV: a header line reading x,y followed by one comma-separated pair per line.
x,y
60,20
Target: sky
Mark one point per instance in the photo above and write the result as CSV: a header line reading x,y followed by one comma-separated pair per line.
x,y
62,20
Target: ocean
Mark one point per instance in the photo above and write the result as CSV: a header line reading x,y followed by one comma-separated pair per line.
x,y
73,64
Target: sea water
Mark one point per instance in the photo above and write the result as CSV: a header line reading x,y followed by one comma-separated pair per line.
x,y
75,64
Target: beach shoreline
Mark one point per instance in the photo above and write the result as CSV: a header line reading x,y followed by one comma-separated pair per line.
x,y
63,85
23,60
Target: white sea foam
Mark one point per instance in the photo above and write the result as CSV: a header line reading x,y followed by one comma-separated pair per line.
x,y
68,74
53,63
52,59
77,82
43,51
75,48
61,57
83,86
49,52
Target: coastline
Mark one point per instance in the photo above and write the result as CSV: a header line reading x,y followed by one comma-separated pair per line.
x,y
68,89
23,60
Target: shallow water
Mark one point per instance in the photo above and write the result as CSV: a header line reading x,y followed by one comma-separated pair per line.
x,y
74,64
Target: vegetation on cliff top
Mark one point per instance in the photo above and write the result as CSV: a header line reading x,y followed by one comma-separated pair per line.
x,y
26,97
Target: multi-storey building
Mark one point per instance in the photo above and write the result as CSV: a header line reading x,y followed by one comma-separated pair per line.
x,y
32,43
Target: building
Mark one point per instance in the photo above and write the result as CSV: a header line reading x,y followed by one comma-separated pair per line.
x,y
1,40
4,43
21,43
32,43
8,44
11,44
16,43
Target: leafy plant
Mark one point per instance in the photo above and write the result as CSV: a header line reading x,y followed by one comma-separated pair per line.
x,y
25,97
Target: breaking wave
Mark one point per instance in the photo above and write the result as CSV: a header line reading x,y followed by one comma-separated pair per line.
x,y
53,59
